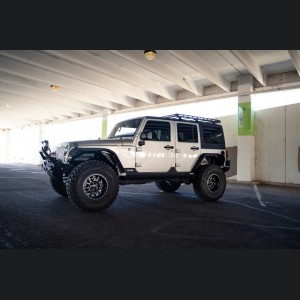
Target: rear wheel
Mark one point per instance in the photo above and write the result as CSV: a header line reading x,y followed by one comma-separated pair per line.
x,y
209,183
168,186
92,186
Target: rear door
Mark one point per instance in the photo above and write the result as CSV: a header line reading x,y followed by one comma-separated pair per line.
x,y
187,146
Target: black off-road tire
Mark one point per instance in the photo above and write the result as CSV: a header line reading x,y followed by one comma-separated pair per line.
x,y
168,186
209,183
58,186
92,186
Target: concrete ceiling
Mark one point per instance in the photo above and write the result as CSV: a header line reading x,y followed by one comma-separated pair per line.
x,y
97,82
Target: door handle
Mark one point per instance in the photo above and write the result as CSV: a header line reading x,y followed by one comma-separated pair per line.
x,y
168,147
194,148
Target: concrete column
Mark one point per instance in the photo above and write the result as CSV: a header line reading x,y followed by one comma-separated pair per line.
x,y
246,130
104,124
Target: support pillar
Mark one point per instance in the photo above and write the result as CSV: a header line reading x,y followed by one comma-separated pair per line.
x,y
104,124
246,130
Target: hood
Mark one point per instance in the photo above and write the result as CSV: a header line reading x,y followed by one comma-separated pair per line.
x,y
97,143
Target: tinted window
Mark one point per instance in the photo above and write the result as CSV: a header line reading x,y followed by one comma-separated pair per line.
x,y
160,130
213,135
187,133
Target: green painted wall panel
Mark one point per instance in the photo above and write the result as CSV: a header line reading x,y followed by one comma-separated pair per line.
x,y
104,128
245,119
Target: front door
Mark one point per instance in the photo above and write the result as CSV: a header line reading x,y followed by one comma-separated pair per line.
x,y
156,147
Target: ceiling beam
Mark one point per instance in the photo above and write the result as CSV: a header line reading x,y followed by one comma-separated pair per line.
x,y
156,67
200,65
63,67
295,56
13,66
40,99
111,69
34,110
68,96
29,116
250,64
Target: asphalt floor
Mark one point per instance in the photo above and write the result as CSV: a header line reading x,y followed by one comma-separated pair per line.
x,y
248,216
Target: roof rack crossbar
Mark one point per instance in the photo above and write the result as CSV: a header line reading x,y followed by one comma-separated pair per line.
x,y
190,118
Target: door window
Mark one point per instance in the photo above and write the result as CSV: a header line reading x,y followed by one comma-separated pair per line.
x,y
157,130
187,133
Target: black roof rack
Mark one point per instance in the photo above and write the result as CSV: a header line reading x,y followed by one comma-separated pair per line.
x,y
190,118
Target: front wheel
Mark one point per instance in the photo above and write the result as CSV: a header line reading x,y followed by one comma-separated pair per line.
x,y
209,183
168,186
92,186
58,186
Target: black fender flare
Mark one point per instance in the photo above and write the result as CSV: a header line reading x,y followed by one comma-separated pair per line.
x,y
208,158
103,154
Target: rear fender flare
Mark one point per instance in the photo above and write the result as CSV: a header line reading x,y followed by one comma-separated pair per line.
x,y
209,158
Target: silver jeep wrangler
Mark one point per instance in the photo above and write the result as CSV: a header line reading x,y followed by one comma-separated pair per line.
x,y
171,150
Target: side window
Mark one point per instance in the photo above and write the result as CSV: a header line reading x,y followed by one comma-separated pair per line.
x,y
187,133
157,130
213,135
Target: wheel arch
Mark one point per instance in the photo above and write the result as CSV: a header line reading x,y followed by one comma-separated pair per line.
x,y
111,158
106,155
209,158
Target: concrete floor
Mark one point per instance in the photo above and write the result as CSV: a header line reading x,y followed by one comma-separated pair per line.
x,y
34,216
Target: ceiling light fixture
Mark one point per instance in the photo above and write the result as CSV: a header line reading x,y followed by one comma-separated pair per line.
x,y
54,87
150,54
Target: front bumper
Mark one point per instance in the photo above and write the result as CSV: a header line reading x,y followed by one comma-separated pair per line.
x,y
49,160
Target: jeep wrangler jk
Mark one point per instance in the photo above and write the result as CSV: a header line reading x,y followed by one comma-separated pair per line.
x,y
170,151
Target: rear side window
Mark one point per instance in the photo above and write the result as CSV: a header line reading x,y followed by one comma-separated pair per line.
x,y
187,133
212,137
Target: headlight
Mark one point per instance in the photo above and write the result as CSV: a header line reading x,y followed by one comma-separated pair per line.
x,y
60,153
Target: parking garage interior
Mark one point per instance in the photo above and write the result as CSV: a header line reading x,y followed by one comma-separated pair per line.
x,y
63,95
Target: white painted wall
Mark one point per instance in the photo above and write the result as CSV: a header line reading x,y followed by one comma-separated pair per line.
x,y
23,145
230,129
270,144
292,143
3,145
272,127
86,129
278,140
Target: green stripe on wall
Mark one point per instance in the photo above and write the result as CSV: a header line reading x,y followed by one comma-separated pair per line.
x,y
245,119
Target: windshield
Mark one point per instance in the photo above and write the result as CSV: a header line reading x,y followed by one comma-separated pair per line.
x,y
125,129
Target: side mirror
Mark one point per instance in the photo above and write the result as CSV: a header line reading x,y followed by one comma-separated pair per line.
x,y
141,143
